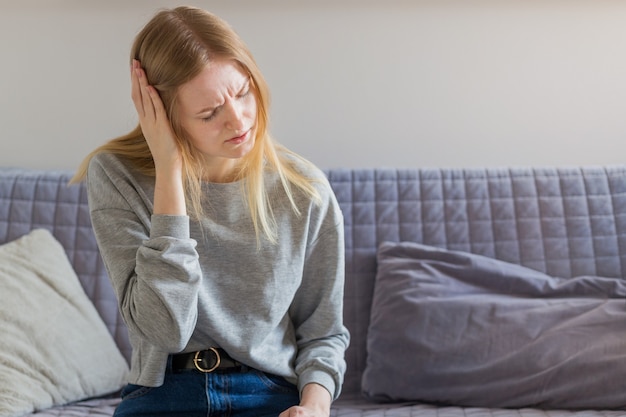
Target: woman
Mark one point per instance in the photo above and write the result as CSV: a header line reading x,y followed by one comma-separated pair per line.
x,y
225,249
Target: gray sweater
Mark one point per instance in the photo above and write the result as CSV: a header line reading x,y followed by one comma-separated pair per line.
x,y
183,286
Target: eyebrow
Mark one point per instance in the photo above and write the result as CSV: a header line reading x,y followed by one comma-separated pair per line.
x,y
245,84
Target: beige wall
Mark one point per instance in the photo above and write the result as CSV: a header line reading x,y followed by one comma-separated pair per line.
x,y
356,83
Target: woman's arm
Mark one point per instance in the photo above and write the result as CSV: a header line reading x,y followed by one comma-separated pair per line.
x,y
317,309
169,196
151,260
142,230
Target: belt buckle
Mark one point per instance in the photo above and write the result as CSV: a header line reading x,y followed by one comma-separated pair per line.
x,y
197,359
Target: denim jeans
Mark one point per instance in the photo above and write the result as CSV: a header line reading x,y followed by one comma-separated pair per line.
x,y
237,393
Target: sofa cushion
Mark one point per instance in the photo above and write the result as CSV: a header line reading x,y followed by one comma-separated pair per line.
x,y
54,347
462,329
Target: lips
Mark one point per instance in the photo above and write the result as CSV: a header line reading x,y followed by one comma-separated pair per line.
x,y
239,139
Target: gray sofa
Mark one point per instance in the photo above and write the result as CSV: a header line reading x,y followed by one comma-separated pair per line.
x,y
562,222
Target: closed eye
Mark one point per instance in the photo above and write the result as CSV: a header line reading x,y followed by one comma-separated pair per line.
x,y
211,116
245,91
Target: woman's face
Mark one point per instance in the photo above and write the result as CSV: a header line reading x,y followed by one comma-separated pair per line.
x,y
218,111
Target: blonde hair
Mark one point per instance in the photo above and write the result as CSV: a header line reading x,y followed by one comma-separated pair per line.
x,y
174,47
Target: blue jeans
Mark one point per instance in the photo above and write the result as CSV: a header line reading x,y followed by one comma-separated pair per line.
x,y
238,393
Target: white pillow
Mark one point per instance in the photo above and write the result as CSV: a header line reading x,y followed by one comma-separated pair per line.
x,y
54,347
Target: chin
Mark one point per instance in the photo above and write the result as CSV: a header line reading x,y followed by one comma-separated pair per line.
x,y
245,148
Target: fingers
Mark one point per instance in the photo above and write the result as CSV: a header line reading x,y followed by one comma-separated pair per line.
x,y
297,411
136,88
145,97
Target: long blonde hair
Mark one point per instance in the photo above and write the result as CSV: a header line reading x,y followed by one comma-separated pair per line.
x,y
174,47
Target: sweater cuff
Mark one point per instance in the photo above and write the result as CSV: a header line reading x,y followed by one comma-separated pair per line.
x,y
321,378
171,226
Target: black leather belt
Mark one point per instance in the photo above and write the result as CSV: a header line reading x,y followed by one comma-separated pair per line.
x,y
209,360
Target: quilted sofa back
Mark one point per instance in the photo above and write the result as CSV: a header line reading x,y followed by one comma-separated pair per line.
x,y
31,199
562,221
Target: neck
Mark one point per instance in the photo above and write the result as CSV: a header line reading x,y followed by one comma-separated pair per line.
x,y
226,171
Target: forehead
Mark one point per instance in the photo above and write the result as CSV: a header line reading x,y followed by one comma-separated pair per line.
x,y
218,79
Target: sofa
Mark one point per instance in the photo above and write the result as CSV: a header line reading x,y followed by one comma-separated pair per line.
x,y
469,292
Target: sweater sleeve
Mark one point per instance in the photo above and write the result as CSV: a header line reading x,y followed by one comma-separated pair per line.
x,y
317,310
151,259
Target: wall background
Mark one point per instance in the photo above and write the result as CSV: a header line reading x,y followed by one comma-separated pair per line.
x,y
355,83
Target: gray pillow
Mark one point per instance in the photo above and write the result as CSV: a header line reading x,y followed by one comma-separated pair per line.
x,y
461,329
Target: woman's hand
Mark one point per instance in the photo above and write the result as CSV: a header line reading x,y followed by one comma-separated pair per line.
x,y
154,122
169,197
315,403
300,411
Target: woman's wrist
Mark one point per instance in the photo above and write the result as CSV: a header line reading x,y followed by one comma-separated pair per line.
x,y
316,397
169,194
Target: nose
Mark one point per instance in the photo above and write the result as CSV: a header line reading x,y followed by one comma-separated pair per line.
x,y
235,117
